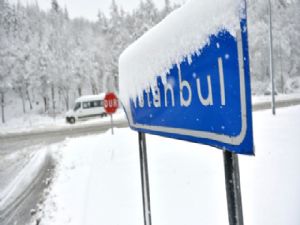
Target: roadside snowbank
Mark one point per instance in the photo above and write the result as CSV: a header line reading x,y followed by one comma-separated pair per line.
x,y
29,122
98,179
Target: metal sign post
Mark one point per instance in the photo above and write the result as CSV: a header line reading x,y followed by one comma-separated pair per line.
x,y
233,188
112,124
271,60
144,179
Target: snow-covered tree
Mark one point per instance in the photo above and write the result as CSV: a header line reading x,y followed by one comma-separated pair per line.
x,y
8,57
285,29
46,56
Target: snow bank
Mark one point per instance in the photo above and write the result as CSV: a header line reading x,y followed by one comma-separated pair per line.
x,y
177,37
91,182
270,180
98,179
29,122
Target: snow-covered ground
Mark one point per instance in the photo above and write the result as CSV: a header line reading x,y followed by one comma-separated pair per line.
x,y
29,122
97,180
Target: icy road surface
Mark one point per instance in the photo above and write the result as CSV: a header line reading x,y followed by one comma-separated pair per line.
x,y
23,177
26,166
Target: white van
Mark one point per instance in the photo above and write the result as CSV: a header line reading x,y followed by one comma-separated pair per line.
x,y
88,106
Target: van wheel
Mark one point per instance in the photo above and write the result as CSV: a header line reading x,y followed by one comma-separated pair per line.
x,y
72,120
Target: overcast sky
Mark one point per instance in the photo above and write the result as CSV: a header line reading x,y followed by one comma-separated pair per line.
x,y
89,8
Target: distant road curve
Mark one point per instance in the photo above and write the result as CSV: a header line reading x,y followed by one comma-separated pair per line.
x,y
58,134
12,141
72,130
279,104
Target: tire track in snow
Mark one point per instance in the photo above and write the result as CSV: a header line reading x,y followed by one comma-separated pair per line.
x,y
25,190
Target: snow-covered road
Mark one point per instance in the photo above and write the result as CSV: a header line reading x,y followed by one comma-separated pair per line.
x,y
26,164
23,175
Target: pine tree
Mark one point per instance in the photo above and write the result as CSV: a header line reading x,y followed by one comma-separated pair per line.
x,y
55,6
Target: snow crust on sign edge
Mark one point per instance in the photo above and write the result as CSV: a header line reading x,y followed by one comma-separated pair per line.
x,y
180,35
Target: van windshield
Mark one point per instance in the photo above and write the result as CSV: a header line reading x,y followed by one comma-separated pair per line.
x,y
77,106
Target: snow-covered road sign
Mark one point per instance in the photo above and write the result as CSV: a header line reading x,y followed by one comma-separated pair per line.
x,y
206,98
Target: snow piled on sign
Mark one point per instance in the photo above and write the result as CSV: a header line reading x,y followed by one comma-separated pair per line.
x,y
182,34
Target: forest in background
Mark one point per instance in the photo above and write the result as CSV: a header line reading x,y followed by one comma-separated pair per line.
x,y
47,59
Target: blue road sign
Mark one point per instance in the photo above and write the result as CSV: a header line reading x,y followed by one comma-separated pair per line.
x,y
206,99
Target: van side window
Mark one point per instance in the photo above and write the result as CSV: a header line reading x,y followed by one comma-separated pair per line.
x,y
98,103
86,105
77,106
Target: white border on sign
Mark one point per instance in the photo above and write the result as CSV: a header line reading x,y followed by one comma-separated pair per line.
x,y
232,140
